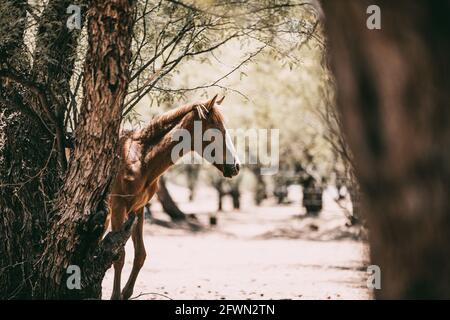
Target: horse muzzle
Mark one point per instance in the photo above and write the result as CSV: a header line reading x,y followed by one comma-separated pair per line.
x,y
232,170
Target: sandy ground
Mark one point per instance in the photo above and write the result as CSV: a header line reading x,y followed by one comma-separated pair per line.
x,y
266,252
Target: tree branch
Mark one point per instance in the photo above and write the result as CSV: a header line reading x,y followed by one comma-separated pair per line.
x,y
106,253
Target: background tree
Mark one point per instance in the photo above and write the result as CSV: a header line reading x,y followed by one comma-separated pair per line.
x,y
192,173
225,187
168,204
393,97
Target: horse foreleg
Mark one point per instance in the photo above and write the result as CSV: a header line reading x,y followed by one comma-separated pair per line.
x,y
117,219
139,254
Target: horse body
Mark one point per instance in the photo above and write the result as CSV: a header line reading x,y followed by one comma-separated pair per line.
x,y
145,155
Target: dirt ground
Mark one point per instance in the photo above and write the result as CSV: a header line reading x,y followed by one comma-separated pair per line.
x,y
267,252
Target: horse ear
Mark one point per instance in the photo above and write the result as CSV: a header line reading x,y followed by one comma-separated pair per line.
x,y
220,100
211,102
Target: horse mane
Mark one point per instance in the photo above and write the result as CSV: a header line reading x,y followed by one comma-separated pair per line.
x,y
163,123
160,125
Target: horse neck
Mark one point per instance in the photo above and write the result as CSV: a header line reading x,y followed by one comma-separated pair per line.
x,y
159,157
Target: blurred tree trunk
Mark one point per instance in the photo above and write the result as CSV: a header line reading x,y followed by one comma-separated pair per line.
x,y
80,209
394,101
356,216
261,188
312,196
311,189
235,191
217,183
220,195
169,206
281,188
236,196
192,172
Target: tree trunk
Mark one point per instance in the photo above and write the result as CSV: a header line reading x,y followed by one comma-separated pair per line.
x,y
312,196
280,192
169,206
29,172
356,216
80,208
220,195
192,172
218,185
394,101
236,196
29,177
261,189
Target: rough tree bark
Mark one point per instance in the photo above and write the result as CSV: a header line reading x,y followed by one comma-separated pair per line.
x,y
29,176
32,135
80,208
394,100
53,66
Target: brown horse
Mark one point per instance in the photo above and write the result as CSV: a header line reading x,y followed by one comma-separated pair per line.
x,y
145,155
